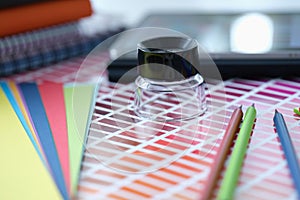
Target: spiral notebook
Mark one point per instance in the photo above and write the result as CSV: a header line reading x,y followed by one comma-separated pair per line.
x,y
175,161
38,48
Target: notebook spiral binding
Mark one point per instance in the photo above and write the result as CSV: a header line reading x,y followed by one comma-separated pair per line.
x,y
38,48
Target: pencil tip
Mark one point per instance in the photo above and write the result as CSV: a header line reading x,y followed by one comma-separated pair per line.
x,y
276,111
253,105
241,106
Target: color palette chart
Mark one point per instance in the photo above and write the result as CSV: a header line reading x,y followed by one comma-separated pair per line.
x,y
264,174
128,158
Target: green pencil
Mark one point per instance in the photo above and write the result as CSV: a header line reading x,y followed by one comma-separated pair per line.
x,y
231,176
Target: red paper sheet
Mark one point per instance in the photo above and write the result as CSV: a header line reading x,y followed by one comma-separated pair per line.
x,y
53,99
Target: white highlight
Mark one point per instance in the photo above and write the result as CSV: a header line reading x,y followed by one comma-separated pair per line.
x,y
252,33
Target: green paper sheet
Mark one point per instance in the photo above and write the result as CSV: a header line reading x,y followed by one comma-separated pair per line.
x,y
79,100
22,173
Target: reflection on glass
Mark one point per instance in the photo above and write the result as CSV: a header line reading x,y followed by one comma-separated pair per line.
x,y
251,33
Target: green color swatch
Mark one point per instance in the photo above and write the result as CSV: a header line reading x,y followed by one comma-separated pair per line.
x,y
79,100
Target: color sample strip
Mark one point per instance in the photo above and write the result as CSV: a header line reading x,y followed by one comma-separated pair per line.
x,y
18,111
79,99
16,93
22,174
39,118
52,95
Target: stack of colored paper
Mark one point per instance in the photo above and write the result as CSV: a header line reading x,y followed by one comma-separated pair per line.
x,y
42,135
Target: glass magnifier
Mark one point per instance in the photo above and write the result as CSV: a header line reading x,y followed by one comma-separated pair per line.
x,y
169,87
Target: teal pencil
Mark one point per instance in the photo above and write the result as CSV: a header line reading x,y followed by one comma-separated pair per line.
x,y
231,176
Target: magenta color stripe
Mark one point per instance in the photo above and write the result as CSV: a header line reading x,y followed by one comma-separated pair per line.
x,y
262,100
233,94
237,88
296,100
229,93
271,95
288,85
281,90
219,98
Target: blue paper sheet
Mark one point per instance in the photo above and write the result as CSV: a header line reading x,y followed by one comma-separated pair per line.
x,y
38,115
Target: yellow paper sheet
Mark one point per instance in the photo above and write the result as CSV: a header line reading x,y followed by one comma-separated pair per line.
x,y
18,98
22,173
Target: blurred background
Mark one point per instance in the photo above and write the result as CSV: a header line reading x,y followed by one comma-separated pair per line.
x,y
242,28
265,30
131,12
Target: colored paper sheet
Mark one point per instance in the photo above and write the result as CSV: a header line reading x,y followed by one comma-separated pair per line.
x,y
14,104
39,119
79,99
22,173
52,95
14,89
22,105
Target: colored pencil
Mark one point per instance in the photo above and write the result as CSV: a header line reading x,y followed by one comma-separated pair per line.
x,y
288,149
231,130
232,172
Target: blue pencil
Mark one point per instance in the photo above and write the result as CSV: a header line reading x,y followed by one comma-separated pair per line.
x,y
288,149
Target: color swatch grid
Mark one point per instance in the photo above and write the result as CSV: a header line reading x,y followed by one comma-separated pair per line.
x,y
130,158
181,155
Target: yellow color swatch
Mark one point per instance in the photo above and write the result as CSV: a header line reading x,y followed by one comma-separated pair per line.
x,y
22,173
14,90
